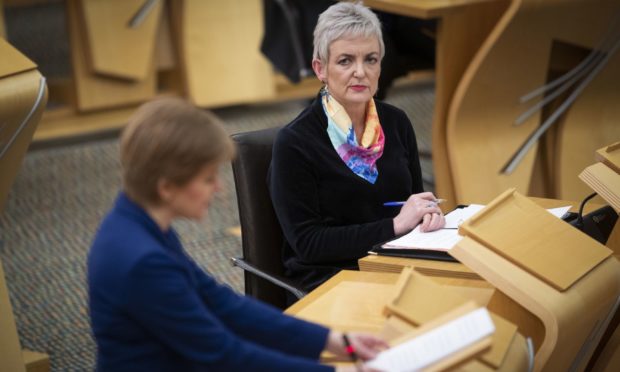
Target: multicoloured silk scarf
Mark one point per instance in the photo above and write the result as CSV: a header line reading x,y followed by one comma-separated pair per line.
x,y
360,158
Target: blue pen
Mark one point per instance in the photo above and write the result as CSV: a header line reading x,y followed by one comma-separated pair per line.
x,y
401,203
394,204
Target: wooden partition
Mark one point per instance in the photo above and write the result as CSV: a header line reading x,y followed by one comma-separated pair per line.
x,y
557,285
535,42
23,95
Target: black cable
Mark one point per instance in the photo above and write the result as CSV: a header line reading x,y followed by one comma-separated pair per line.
x,y
579,223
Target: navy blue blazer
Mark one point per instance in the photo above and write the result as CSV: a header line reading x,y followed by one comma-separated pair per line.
x,y
153,309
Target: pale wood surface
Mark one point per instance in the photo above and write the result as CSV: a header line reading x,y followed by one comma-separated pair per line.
x,y
19,91
514,60
427,267
459,36
13,62
35,362
18,94
609,360
351,305
420,299
96,92
344,275
65,122
220,51
613,242
515,356
422,8
569,317
602,179
610,155
114,48
526,234
10,350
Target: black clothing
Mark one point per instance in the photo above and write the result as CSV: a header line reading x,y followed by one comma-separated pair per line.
x,y
331,217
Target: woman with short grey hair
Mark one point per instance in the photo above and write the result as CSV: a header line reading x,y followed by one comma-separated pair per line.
x,y
345,19
342,158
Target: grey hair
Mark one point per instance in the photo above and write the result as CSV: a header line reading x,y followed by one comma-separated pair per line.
x,y
341,20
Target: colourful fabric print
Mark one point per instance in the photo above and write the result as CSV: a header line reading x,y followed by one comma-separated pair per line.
x,y
360,156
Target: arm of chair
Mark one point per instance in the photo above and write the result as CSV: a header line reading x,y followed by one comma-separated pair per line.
x,y
274,279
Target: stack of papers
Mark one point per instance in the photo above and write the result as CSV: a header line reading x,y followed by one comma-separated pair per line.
x,y
444,239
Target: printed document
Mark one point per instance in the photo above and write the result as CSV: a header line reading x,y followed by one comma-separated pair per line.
x,y
433,346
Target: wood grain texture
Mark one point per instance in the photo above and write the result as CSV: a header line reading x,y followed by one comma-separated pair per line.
x,y
20,90
96,92
219,46
514,60
459,37
569,318
610,156
424,9
10,350
529,236
605,181
12,61
115,49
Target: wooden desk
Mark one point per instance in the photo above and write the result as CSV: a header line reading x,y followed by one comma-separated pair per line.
x,y
341,307
328,306
462,27
452,269
424,9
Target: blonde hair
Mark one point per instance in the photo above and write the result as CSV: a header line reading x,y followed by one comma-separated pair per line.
x,y
169,139
341,20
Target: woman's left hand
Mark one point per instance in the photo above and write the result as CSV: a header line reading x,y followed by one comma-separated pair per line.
x,y
432,222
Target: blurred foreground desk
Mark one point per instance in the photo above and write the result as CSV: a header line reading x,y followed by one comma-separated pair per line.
x,y
354,301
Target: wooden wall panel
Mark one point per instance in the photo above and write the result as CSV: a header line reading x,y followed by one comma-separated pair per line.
x,y
220,43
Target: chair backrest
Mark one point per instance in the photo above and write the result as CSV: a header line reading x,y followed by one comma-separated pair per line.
x,y
261,234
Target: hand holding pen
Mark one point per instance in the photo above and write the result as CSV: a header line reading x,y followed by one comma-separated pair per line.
x,y
420,209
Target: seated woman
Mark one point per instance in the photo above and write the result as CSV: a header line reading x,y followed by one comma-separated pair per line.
x,y
152,308
335,165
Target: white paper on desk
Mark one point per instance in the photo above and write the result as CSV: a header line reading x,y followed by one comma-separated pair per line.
x,y
436,344
559,212
444,239
457,216
439,240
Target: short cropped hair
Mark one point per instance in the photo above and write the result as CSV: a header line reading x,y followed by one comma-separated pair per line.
x,y
169,139
345,19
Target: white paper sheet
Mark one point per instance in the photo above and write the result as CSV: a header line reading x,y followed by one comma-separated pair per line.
x,y
559,212
436,344
444,239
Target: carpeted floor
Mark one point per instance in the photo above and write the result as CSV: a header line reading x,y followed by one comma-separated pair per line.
x,y
60,196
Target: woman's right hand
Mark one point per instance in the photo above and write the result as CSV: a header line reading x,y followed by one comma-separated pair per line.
x,y
414,210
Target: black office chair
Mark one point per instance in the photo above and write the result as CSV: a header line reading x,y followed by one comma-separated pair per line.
x,y
261,235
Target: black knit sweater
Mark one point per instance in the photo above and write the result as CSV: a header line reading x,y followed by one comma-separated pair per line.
x,y
330,216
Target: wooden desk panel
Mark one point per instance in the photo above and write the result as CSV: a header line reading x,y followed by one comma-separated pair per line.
x,y
424,9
